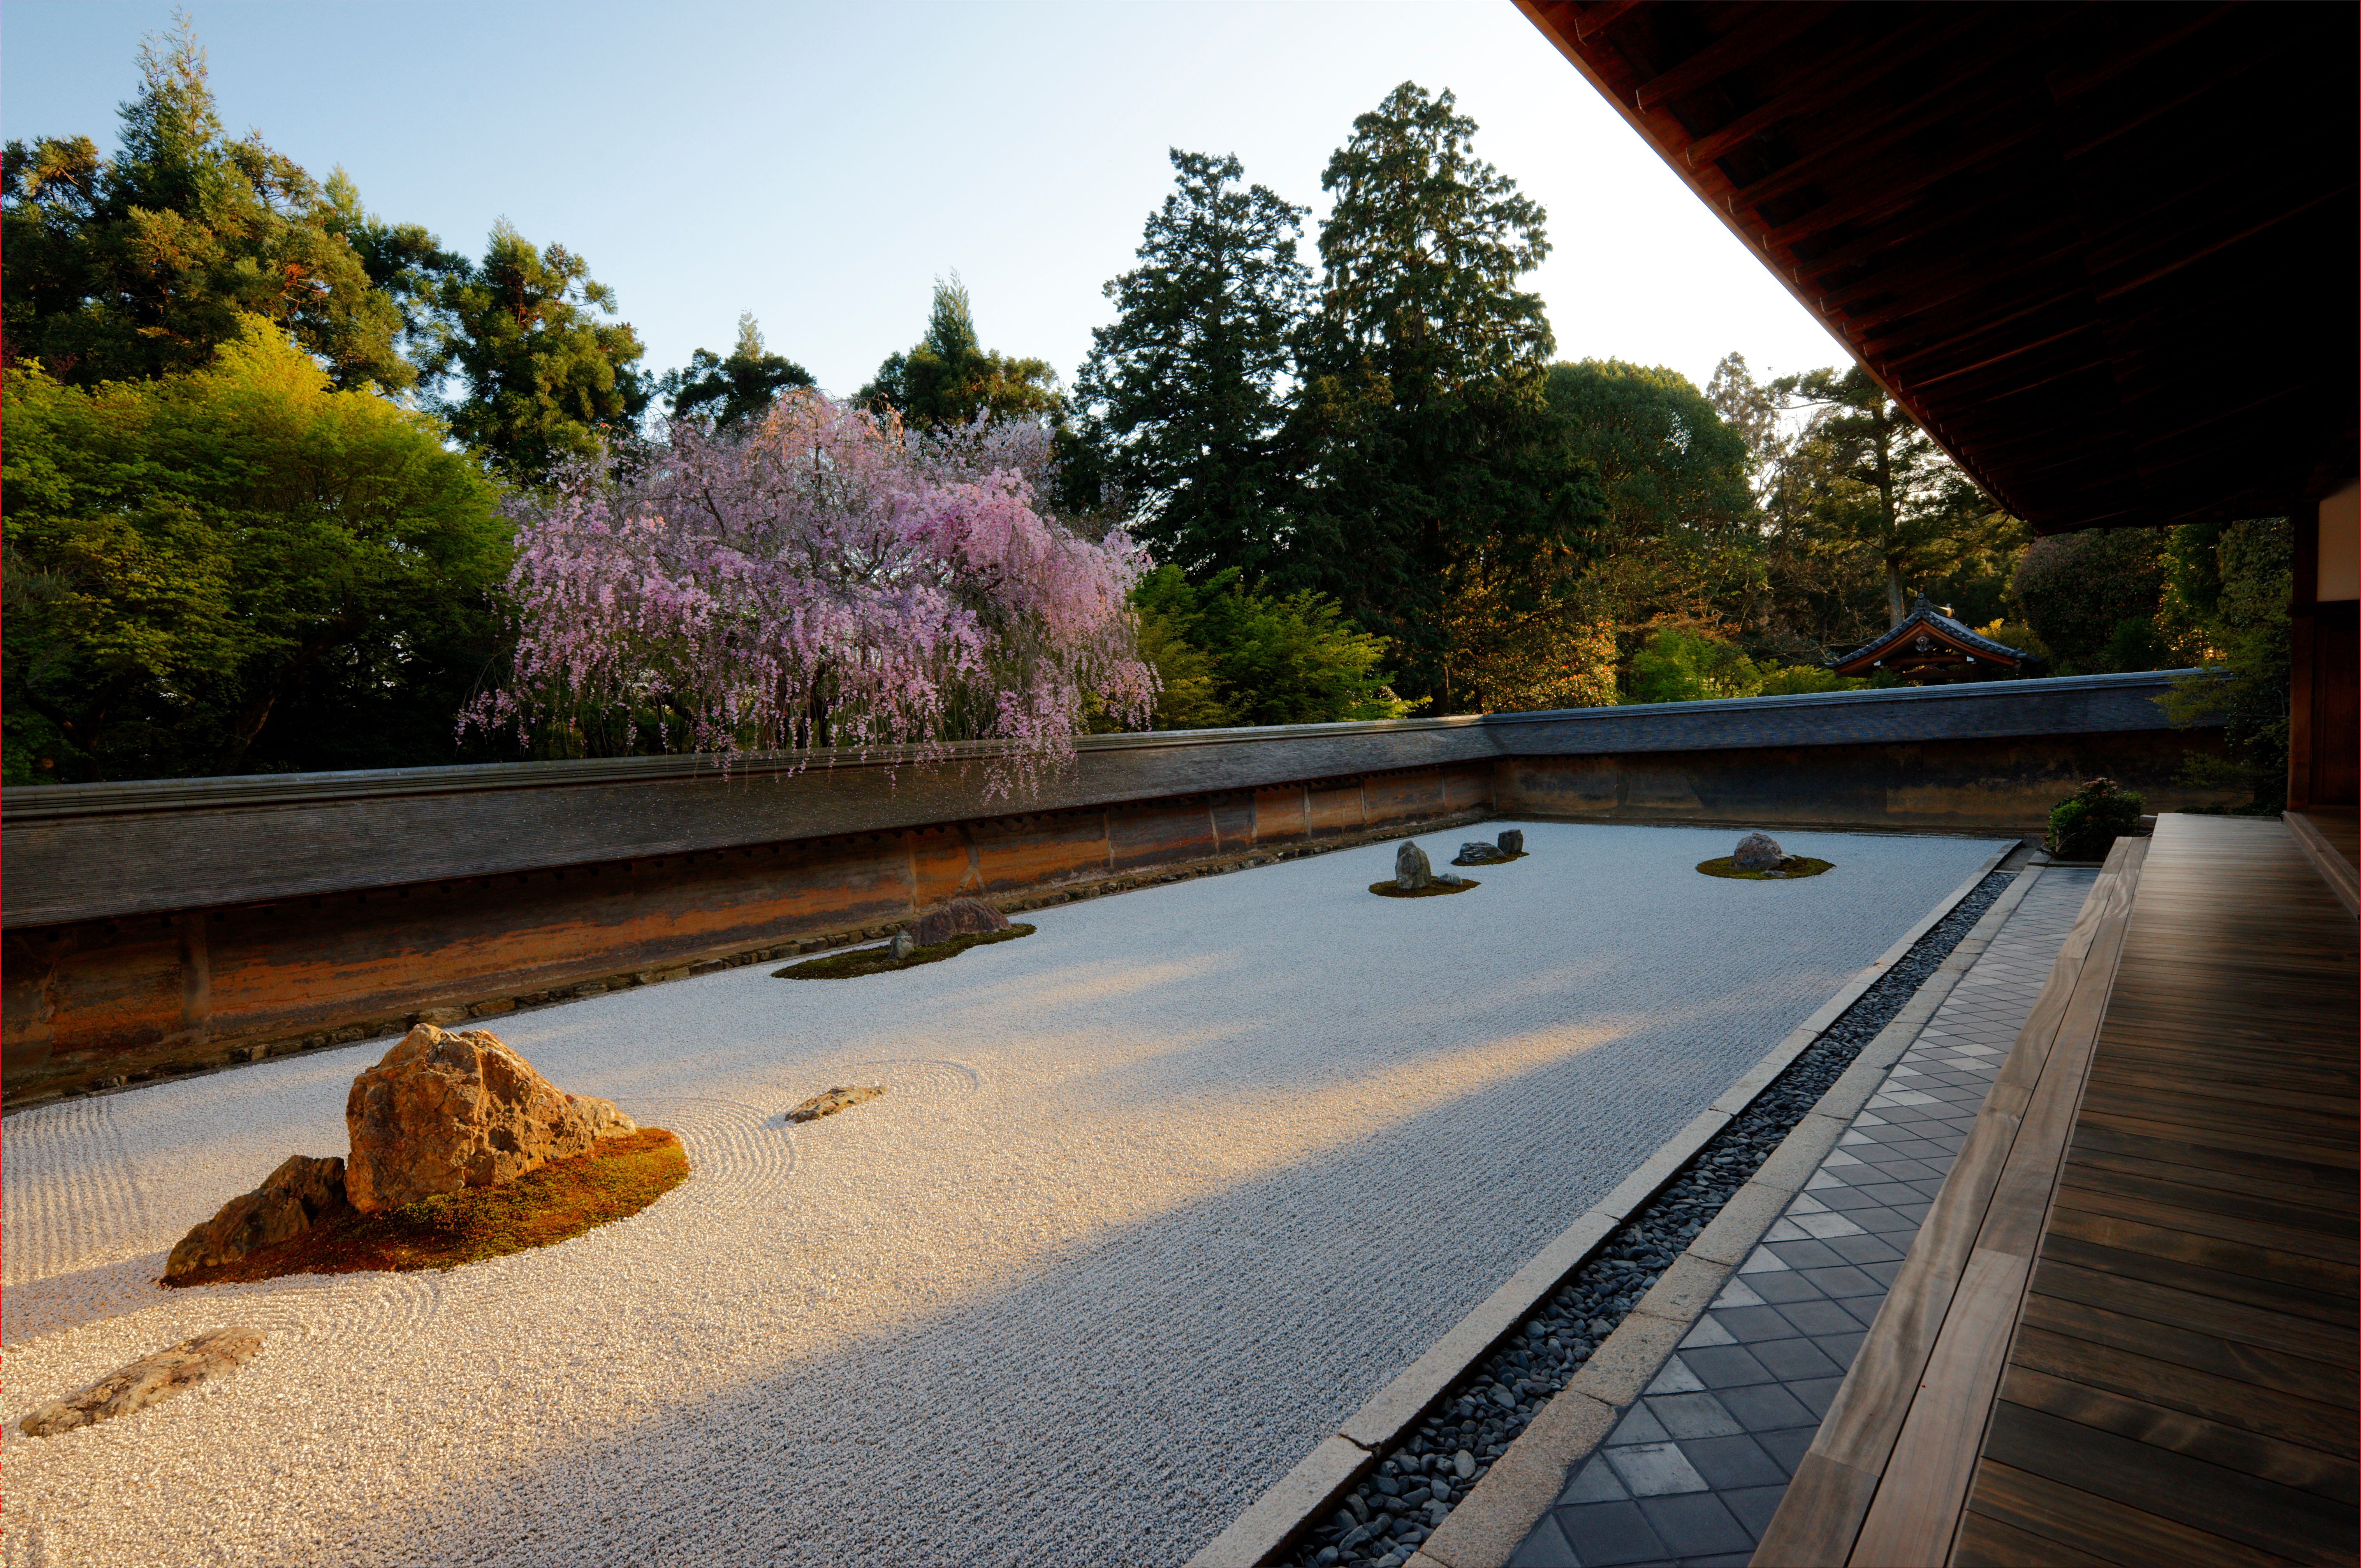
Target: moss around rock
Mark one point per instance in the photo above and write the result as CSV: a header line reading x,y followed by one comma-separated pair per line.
x,y
1804,866
875,961
616,1178
1432,890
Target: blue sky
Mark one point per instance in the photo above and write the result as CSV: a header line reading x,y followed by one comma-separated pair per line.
x,y
820,165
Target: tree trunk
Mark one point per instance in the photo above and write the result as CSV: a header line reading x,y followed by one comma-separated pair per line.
x,y
1894,607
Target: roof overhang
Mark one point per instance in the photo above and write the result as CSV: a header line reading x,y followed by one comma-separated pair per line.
x,y
2107,256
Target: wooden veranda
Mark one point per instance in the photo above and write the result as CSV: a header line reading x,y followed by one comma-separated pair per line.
x,y
2127,1332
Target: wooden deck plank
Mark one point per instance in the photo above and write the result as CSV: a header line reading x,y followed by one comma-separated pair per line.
x,y
2198,1312
2174,1487
2233,1448
2181,1385
2083,1523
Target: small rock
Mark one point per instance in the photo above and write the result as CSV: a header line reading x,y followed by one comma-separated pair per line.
x,y
904,945
1760,853
1437,1510
1478,854
956,917
1502,1397
1412,871
147,1380
1449,879
1462,1465
835,1099
605,1119
1390,1486
293,1199
1512,840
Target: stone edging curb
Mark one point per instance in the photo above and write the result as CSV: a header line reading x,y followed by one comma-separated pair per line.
x,y
1274,1520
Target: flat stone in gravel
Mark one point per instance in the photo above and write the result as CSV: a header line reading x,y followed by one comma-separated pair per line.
x,y
835,1099
145,1382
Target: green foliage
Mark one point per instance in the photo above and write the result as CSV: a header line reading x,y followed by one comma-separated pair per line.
x,y
1797,680
1866,511
2085,824
1674,480
949,379
1422,421
1181,392
733,392
2089,594
185,553
2229,586
144,264
1246,655
1675,665
540,378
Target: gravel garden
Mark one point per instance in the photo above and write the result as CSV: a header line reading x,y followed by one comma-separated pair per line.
x,y
1149,1203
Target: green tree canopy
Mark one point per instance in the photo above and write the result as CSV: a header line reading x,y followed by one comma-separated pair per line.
x,y
950,379
1673,477
1866,506
2092,597
1182,392
145,263
736,391
1422,425
182,552
1228,653
539,376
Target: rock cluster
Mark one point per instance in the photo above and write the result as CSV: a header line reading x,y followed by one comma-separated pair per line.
x,y
147,1380
1761,852
1511,844
299,1194
439,1111
956,917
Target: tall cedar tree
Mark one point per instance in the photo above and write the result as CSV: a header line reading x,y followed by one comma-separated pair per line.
x,y
949,377
1182,394
540,378
1422,419
734,391
144,264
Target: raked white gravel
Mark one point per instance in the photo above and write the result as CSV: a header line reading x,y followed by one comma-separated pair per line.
x,y
1157,1197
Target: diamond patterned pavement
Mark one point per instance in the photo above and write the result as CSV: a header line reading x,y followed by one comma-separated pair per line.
x,y
1694,1469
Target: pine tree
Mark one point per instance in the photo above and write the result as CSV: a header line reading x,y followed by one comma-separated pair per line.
x,y
144,264
950,379
735,390
1181,393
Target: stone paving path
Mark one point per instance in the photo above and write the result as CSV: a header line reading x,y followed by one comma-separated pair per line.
x,y
1694,1471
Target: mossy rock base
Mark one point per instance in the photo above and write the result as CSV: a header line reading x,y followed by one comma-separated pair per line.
x,y
1387,889
876,960
1503,861
614,1180
1809,867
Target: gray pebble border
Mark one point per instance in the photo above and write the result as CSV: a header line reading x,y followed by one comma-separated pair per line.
x,y
1415,1485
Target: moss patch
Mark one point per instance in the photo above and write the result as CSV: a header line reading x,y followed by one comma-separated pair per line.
x,y
615,1179
1722,867
1387,889
874,961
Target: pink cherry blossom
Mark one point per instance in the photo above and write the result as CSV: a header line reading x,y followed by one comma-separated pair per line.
x,y
828,580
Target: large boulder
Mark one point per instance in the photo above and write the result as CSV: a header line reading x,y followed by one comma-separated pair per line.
x,y
303,1192
1512,841
443,1111
957,917
1478,853
1412,869
1760,853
